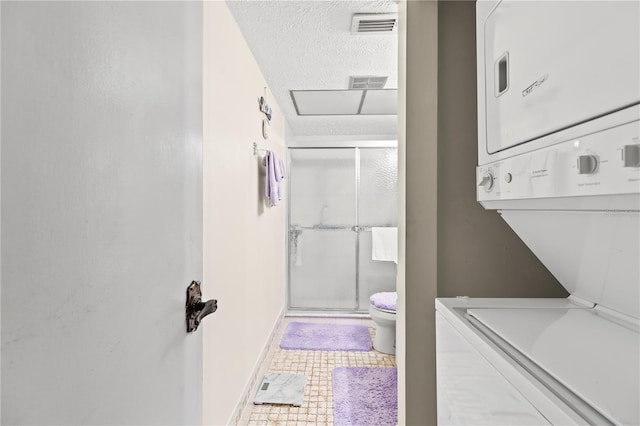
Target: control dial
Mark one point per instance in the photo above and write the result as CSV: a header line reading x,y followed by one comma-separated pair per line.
x,y
487,181
587,164
631,155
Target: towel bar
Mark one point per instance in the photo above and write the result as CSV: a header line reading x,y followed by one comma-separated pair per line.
x,y
256,149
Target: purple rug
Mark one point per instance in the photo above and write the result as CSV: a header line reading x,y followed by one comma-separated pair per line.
x,y
326,337
365,396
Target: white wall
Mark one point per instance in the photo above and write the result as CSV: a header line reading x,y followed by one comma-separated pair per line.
x,y
244,240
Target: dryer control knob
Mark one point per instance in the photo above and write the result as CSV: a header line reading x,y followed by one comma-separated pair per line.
x,y
587,164
631,155
487,181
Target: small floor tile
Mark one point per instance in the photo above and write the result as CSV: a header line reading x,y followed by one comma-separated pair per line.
x,y
317,366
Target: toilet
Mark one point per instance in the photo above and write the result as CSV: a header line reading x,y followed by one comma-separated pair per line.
x,y
382,308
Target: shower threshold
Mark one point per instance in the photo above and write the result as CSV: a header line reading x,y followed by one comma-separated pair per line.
x,y
293,313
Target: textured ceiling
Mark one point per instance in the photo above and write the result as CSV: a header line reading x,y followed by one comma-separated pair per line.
x,y
309,45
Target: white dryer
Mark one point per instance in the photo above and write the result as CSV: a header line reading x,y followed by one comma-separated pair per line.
x,y
559,159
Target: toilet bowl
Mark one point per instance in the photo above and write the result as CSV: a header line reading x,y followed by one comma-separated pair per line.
x,y
382,308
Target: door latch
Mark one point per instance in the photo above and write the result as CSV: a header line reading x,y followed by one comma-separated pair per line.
x,y
196,309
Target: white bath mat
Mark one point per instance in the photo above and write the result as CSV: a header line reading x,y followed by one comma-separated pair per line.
x,y
285,389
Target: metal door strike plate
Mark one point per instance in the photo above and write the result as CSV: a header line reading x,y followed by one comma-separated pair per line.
x,y
196,309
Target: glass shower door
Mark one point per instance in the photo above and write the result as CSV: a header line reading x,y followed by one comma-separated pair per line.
x,y
322,232
377,207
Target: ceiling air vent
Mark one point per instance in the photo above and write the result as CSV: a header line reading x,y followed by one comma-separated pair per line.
x,y
362,82
374,23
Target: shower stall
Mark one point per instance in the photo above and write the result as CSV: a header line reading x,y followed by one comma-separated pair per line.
x,y
336,196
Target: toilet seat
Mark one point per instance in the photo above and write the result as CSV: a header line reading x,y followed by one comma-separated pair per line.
x,y
386,311
384,301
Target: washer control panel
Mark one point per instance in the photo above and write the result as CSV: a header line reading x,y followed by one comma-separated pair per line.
x,y
602,163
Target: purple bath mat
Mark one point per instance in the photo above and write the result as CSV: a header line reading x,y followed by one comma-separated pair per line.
x,y
365,396
326,337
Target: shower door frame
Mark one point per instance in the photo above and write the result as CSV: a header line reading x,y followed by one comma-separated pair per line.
x,y
356,228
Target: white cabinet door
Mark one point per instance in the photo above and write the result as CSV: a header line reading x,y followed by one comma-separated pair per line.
x,y
101,212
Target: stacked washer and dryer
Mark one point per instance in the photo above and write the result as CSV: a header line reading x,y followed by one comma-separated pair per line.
x,y
559,160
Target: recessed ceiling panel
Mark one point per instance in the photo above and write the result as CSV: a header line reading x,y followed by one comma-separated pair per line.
x,y
327,102
316,50
380,102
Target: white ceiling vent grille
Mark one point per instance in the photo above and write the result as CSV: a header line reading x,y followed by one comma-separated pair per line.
x,y
376,23
356,82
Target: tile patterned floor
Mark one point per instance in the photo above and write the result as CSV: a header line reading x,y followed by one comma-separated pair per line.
x,y
317,404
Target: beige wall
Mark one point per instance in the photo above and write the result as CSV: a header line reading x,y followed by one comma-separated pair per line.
x,y
417,262
478,254
244,240
451,243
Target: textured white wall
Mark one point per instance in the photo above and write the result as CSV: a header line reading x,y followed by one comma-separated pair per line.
x,y
244,240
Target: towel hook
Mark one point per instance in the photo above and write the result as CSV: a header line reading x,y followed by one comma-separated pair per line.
x,y
256,150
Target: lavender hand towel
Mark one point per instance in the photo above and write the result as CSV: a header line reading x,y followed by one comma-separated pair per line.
x,y
271,188
275,174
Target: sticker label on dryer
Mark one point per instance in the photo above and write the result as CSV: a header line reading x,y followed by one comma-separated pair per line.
x,y
526,92
539,173
588,184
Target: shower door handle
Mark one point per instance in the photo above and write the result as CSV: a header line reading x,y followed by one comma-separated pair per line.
x,y
359,228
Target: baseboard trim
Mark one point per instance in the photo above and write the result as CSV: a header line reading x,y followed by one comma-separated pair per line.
x,y
242,411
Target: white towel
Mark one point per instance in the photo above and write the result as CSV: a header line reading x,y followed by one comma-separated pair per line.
x,y
384,244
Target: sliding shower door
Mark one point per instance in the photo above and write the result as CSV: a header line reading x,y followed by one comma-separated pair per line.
x,y
321,238
377,207
336,196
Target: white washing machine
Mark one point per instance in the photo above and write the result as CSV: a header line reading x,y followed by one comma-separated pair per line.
x,y
559,160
